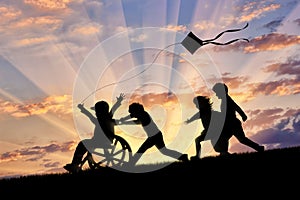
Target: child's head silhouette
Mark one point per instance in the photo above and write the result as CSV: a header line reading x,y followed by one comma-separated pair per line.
x,y
202,102
135,108
220,89
101,107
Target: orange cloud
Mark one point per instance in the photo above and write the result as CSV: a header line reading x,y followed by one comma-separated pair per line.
x,y
204,25
61,105
271,42
253,10
87,29
49,4
8,13
32,41
177,28
150,98
38,22
234,82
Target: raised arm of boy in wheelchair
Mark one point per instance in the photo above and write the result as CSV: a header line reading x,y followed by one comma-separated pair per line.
x,y
120,98
87,113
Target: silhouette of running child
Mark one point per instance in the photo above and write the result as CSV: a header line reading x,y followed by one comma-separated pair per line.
x,y
234,125
209,119
154,134
103,132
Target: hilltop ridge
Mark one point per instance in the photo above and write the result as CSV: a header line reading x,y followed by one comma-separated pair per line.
x,y
270,165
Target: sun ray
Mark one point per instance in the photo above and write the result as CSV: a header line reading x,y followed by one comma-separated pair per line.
x,y
65,129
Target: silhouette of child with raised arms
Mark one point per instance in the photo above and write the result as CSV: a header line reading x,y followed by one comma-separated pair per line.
x,y
103,132
154,134
229,108
208,116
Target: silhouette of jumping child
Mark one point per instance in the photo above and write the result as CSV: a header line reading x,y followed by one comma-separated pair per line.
x,y
103,132
233,124
208,116
154,134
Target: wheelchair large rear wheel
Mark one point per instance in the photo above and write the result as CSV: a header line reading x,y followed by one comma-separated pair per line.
x,y
115,156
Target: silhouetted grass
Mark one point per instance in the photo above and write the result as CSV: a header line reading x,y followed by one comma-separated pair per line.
x,y
258,168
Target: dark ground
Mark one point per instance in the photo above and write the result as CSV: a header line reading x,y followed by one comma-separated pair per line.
x,y
273,173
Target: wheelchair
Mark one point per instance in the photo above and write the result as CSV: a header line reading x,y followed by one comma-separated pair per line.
x,y
115,155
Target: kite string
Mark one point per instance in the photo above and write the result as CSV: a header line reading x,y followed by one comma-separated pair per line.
x,y
131,76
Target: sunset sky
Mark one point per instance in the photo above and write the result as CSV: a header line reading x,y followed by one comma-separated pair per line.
x,y
56,54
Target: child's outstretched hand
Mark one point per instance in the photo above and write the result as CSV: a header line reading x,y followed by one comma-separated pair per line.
x,y
244,117
121,97
80,106
187,121
121,120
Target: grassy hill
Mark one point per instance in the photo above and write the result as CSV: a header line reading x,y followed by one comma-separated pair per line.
x,y
275,168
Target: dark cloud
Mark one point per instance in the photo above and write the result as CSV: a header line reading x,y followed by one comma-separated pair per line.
x,y
263,118
273,25
52,164
36,152
281,87
297,21
266,88
285,133
290,67
52,148
36,157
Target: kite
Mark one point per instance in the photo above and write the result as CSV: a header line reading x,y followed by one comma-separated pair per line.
x,y
191,42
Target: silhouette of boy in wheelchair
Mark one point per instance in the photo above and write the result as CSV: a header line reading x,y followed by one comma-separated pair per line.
x,y
112,149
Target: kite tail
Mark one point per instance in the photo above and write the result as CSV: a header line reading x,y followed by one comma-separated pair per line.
x,y
229,42
230,30
131,76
